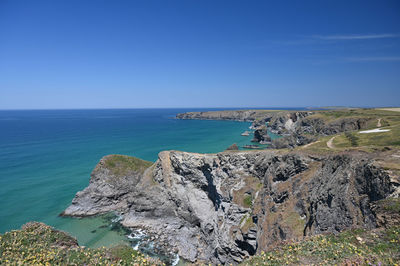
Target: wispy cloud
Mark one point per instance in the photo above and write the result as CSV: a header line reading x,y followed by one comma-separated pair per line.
x,y
356,36
373,59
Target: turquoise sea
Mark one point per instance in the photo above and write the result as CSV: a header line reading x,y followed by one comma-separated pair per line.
x,y
46,156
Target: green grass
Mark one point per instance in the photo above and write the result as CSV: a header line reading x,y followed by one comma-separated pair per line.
x,y
358,112
39,244
353,247
248,201
381,139
390,204
123,165
355,140
352,138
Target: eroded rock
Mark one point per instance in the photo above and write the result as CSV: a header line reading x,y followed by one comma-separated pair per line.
x,y
222,208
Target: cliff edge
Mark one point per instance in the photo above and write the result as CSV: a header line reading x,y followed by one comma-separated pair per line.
x,y
225,207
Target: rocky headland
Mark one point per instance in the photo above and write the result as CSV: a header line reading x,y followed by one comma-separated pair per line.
x,y
225,207
295,127
237,115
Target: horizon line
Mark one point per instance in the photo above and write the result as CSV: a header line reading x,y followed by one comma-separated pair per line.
x,y
233,107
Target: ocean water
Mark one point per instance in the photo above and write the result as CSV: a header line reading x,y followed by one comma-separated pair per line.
x,y
47,156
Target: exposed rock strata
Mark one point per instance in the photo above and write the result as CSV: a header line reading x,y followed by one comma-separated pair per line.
x,y
224,207
315,125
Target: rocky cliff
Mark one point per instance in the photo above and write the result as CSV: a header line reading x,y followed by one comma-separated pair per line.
x,y
296,127
307,129
261,135
222,208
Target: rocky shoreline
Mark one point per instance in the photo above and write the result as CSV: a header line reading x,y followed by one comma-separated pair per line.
x,y
296,128
225,207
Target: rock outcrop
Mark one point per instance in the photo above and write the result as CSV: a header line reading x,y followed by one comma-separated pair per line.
x,y
261,135
292,141
307,129
315,125
222,208
286,123
233,147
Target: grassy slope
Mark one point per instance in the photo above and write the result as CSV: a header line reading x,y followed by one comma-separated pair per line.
x,y
39,244
366,142
379,246
122,165
353,247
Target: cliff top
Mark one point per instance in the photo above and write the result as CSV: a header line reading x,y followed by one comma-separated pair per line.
x,y
122,164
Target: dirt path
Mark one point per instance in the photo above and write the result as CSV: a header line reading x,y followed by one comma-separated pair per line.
x,y
379,123
312,143
330,143
396,109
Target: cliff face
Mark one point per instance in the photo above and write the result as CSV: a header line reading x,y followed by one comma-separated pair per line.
x,y
280,121
313,125
224,207
286,123
307,129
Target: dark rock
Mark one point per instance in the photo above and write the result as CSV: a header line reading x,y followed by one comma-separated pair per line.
x,y
233,147
314,125
258,123
292,141
261,135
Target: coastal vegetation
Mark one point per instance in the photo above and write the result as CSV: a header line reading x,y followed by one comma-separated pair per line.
x,y
37,243
387,119
123,165
40,244
352,247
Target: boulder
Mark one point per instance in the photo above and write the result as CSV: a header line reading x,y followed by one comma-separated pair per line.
x,y
233,147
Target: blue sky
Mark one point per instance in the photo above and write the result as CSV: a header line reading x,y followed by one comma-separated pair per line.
x,y
135,54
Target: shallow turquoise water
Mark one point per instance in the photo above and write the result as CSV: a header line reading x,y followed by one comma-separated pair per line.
x,y
47,156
